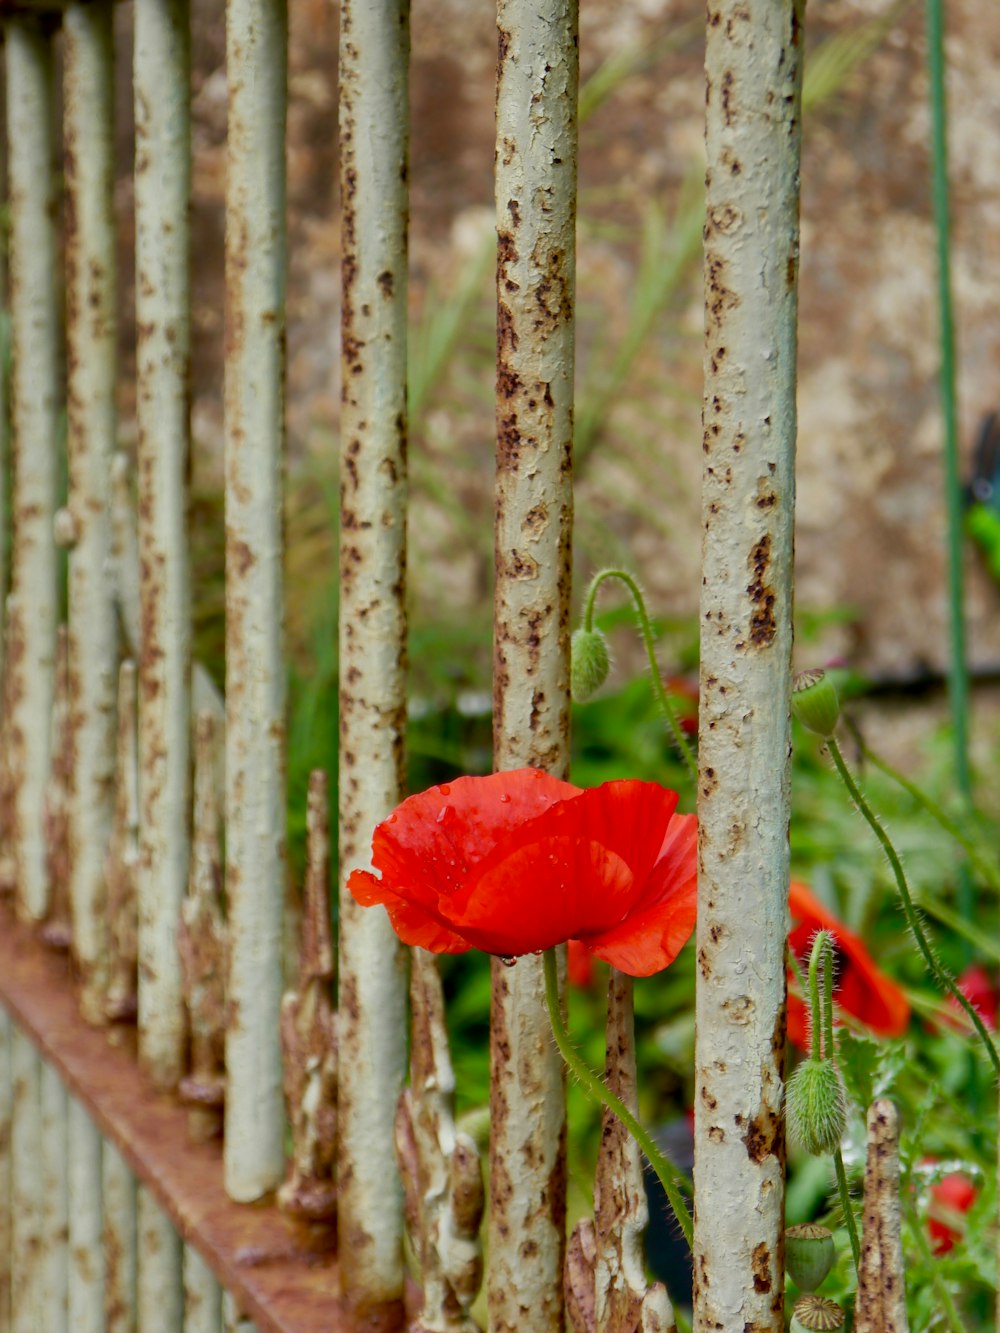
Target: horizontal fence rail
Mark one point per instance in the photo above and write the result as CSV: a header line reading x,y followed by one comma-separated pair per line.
x,y
215,1114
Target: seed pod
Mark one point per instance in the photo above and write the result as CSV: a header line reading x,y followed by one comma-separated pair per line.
x,y
809,1254
816,703
816,1312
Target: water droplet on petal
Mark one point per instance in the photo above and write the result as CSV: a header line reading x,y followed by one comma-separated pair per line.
x,y
441,814
507,959
504,798
444,789
537,953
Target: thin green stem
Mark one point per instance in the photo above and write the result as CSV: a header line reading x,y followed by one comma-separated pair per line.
x,y
989,872
819,961
646,629
845,1203
669,1177
943,979
958,671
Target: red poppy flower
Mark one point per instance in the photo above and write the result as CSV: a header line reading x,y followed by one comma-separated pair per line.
x,y
516,862
980,990
860,988
952,1194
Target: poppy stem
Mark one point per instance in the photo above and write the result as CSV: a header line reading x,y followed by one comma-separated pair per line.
x,y
845,1203
646,629
667,1174
821,1008
943,978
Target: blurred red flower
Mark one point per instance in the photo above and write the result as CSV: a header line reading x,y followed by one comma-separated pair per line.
x,y
980,989
954,1193
516,862
860,988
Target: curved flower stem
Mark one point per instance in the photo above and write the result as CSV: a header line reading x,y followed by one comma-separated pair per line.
x,y
943,979
845,1203
669,1177
646,629
989,872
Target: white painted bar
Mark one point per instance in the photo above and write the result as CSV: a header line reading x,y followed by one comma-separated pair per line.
x,y
27,1296
119,1242
91,296
202,1295
86,1258
256,46
162,200
160,1287
374,145
53,1222
535,189
35,407
753,70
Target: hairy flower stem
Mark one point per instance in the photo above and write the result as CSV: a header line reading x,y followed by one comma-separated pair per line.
x,y
845,1203
943,979
821,960
668,1175
646,629
989,872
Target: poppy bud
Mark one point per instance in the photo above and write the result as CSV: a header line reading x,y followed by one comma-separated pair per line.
x,y
815,702
809,1254
590,662
816,1312
816,1106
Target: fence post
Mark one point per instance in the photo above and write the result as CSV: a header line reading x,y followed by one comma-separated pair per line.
x,y
374,145
91,331
535,187
256,45
35,405
753,71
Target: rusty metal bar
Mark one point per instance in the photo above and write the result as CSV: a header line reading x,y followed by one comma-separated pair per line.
x,y
374,146
32,608
26,1186
91,331
535,187
6,1154
256,1253
52,1257
162,60
159,1288
256,59
202,1295
119,1241
753,78
86,1260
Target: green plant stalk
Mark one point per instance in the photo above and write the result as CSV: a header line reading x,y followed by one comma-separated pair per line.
x,y
667,1174
945,981
662,697
845,1203
958,673
989,872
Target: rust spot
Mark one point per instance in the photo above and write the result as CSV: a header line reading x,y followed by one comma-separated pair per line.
x,y
760,1264
763,626
791,269
727,89
385,281
763,1136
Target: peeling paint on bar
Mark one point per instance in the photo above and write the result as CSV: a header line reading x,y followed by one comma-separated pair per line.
x,y
881,1300
91,330
31,610
53,1220
753,73
256,55
118,1241
535,186
162,197
27,1296
374,138
86,1266
122,859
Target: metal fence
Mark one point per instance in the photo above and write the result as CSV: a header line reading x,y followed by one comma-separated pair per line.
x,y
176,1016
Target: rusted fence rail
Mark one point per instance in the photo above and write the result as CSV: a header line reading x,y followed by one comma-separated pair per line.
x,y
190,1136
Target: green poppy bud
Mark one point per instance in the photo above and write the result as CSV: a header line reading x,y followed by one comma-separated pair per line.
x,y
815,702
809,1254
816,1312
590,662
816,1106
